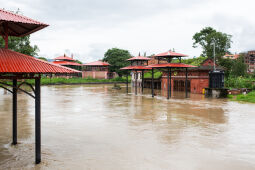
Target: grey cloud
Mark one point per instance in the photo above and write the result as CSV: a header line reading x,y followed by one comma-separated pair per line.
x,y
107,12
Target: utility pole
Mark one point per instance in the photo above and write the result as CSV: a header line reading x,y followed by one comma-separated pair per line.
x,y
214,55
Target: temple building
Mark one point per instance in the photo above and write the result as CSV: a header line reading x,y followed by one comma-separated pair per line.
x,y
97,70
67,62
198,77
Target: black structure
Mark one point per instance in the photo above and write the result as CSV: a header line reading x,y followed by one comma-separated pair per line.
x,y
216,79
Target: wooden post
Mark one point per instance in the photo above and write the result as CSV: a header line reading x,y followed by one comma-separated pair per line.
x,y
186,83
170,82
37,121
136,75
6,33
142,80
127,83
168,75
152,82
14,111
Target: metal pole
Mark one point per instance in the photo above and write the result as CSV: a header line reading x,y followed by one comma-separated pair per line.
x,y
152,82
142,80
170,82
186,83
168,75
214,55
14,111
127,83
136,75
37,121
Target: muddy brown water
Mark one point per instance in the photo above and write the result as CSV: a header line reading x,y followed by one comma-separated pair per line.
x,y
95,127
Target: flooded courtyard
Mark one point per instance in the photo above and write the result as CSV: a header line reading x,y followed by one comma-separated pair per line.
x,y
96,127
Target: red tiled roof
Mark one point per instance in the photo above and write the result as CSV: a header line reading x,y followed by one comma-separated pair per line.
x,y
18,25
172,65
66,63
97,63
139,58
14,62
64,58
135,68
171,54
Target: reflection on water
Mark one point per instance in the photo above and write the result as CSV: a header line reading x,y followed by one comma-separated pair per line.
x,y
96,127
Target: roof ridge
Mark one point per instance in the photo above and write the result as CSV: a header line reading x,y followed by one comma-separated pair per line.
x,y
22,16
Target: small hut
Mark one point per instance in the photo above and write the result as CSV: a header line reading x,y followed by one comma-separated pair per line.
x,y
97,70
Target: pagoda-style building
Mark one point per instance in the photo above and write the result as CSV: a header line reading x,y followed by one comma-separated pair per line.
x,y
97,70
137,67
67,62
167,70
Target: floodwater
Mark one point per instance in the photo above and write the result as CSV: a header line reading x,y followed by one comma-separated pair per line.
x,y
95,127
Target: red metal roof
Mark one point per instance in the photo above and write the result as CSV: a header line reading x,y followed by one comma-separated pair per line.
x,y
97,63
135,68
139,58
14,62
171,54
64,58
172,65
18,25
66,63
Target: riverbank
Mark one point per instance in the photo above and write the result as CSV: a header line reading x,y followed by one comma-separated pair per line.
x,y
250,97
76,80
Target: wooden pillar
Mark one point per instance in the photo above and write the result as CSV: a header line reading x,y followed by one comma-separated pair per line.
x,y
152,82
14,112
136,75
170,91
168,75
37,121
186,83
142,80
127,83
6,33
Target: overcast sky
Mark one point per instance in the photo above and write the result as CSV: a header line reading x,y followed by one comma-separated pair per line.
x,y
87,28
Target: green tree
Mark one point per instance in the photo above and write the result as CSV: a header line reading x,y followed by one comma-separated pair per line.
x,y
117,58
207,36
78,61
239,67
21,45
43,58
227,64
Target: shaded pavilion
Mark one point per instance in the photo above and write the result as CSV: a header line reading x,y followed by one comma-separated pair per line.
x,y
168,56
14,66
138,63
67,62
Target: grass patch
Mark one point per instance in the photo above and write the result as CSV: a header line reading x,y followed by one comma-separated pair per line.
x,y
76,80
250,97
157,74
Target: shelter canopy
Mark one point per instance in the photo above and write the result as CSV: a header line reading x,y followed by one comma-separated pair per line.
x,y
170,65
12,24
14,62
136,68
139,58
